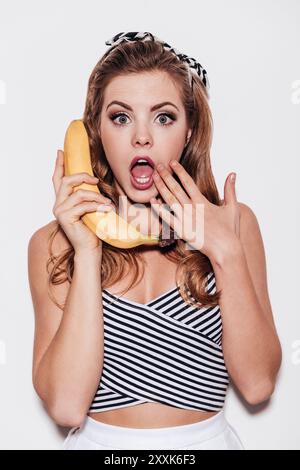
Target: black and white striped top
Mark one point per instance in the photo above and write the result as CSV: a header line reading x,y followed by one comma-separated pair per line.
x,y
165,351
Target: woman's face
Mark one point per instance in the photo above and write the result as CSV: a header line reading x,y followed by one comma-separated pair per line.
x,y
134,129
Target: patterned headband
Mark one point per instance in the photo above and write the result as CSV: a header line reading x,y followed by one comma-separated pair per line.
x,y
191,63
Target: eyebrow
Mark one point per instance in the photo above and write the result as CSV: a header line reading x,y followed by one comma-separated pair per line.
x,y
156,106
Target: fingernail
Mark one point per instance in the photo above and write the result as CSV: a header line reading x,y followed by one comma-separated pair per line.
x,y
232,177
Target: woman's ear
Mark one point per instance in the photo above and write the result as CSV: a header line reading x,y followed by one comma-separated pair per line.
x,y
188,136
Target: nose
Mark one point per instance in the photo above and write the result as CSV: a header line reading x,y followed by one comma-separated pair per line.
x,y
142,140
142,137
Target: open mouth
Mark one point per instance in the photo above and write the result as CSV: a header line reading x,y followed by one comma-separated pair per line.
x,y
141,173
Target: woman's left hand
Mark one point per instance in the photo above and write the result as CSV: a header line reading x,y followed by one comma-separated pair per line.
x,y
206,227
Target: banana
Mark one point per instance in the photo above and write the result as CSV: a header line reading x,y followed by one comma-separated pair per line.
x,y
108,226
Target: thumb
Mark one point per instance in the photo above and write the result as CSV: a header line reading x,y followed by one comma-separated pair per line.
x,y
229,189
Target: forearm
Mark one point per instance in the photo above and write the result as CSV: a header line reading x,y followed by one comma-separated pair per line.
x,y
250,343
69,372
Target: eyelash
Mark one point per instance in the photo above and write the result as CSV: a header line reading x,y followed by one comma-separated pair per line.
x,y
171,116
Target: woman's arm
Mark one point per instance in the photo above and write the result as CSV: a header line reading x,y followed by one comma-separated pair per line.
x,y
229,236
251,346
68,345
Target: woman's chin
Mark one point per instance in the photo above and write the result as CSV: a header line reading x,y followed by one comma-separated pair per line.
x,y
138,196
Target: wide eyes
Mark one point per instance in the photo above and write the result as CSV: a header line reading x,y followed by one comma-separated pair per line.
x,y
114,117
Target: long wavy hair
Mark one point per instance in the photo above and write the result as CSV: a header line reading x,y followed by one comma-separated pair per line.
x,y
193,266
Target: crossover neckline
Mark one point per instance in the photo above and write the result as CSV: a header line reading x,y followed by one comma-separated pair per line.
x,y
156,299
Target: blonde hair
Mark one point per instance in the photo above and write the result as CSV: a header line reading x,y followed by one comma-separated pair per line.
x,y
193,266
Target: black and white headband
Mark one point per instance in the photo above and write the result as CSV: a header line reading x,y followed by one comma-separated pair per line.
x,y
192,65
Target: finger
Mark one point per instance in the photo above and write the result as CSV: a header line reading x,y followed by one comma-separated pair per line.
x,y
174,186
58,171
70,181
187,182
83,195
81,209
229,189
168,197
162,211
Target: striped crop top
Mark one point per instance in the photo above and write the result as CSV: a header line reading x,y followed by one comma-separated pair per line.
x,y
165,351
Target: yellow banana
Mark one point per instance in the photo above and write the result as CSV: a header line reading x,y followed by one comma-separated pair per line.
x,y
108,226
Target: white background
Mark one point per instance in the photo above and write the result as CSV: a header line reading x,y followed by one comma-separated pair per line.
x,y
250,50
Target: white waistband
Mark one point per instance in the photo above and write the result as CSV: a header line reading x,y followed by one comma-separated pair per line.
x,y
120,437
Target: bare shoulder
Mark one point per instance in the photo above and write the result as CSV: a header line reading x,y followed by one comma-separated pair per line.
x,y
46,313
39,252
41,236
247,215
251,236
38,256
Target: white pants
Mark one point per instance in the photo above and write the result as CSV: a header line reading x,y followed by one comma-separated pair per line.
x,y
212,433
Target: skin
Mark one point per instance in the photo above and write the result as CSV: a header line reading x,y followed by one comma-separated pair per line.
x,y
232,241
141,132
144,133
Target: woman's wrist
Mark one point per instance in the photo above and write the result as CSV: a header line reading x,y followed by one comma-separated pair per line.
x,y
88,254
234,250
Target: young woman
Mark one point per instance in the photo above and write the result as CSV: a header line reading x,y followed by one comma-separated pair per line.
x,y
150,369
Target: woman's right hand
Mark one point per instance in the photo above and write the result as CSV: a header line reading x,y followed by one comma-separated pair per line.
x,y
71,205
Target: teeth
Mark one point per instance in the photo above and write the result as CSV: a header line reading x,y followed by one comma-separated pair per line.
x,y
142,160
143,180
